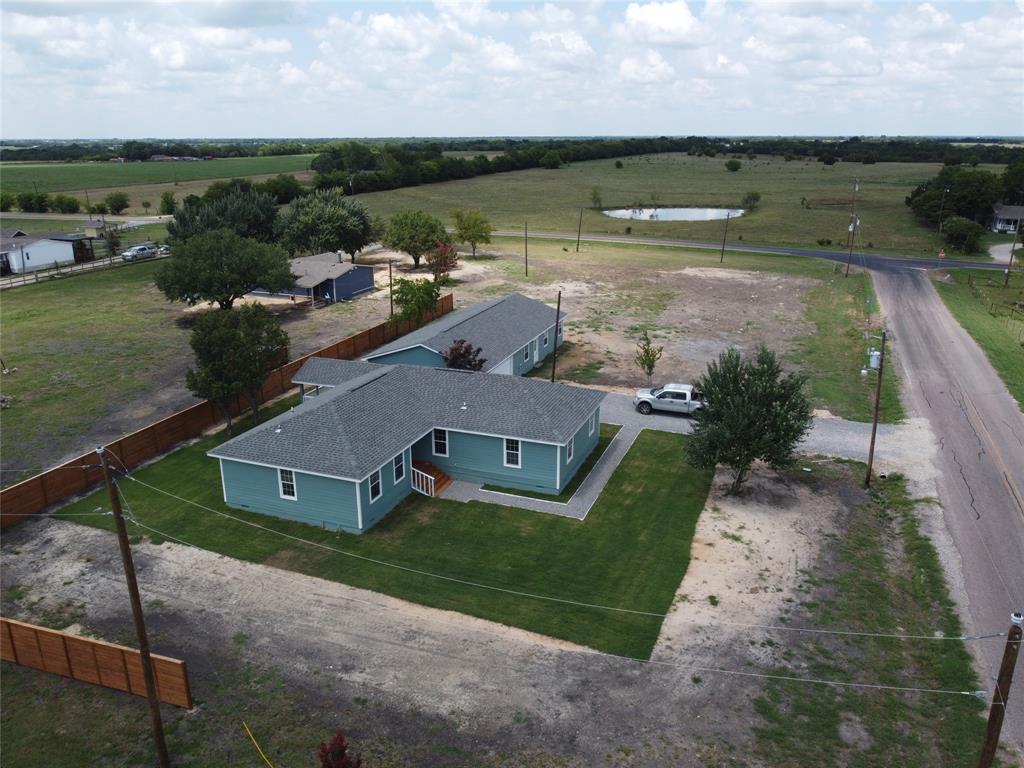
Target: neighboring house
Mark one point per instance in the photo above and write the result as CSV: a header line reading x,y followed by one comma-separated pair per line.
x,y
326,277
28,254
1007,218
10,234
373,434
514,333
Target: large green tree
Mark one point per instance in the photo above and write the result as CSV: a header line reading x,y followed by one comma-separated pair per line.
x,y
413,299
414,233
261,342
751,411
956,191
116,202
1013,182
247,213
215,377
221,266
326,221
472,227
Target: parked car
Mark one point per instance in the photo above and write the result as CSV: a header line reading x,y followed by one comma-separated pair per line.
x,y
163,250
674,398
139,252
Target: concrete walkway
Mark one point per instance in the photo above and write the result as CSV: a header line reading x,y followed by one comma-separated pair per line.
x,y
580,503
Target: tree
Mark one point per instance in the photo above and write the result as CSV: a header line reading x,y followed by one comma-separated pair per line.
x,y
145,205
956,191
733,164
7,201
962,233
215,377
551,160
463,356
415,298
167,203
100,208
284,187
65,204
225,187
220,266
442,259
32,202
249,214
751,200
595,198
116,202
261,341
326,221
647,355
618,164
751,411
1013,182
472,227
335,754
414,233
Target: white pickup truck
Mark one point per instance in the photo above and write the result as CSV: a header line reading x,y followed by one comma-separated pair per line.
x,y
674,398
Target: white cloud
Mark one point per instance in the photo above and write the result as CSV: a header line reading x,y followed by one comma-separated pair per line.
x,y
649,69
658,23
564,48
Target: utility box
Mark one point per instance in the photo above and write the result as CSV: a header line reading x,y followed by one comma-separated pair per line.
x,y
875,358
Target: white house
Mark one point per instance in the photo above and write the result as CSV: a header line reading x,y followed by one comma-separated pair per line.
x,y
1006,218
28,254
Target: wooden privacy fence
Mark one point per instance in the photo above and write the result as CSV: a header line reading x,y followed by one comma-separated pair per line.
x,y
73,477
92,661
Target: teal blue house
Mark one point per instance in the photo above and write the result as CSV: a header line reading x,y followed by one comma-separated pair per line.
x,y
366,436
514,333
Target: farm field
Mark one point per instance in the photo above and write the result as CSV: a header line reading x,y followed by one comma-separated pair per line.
x,y
801,201
74,177
994,317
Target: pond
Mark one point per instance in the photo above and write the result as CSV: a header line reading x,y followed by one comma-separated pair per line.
x,y
674,214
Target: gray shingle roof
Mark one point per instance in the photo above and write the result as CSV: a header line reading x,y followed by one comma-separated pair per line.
x,y
360,425
313,270
10,233
500,327
326,372
1009,211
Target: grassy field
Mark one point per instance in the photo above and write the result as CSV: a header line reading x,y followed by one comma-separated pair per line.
x,y
801,201
631,551
608,432
887,578
66,177
994,316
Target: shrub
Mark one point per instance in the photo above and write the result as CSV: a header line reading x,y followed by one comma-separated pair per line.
x,y
618,163
116,202
733,165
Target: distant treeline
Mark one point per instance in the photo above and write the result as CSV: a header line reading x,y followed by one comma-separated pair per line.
x,y
397,162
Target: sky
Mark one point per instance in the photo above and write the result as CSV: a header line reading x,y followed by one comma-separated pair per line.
x,y
354,69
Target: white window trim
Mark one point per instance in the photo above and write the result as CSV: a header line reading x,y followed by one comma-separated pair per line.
x,y
569,449
592,422
545,339
380,486
280,484
433,441
394,467
519,452
526,353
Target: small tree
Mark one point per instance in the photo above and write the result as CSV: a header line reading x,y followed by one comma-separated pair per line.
x,y
551,159
116,202
215,377
751,411
167,203
595,198
463,356
261,340
647,355
962,233
442,259
7,201
335,754
221,266
415,298
472,227
751,200
618,164
733,165
415,233
145,206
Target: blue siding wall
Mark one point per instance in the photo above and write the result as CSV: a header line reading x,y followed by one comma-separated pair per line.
x,y
480,459
412,356
583,445
521,366
391,492
321,501
352,283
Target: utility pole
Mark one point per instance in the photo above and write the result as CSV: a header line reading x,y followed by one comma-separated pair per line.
x,y
1002,693
391,290
942,204
1009,264
874,421
526,249
554,351
853,225
724,235
140,624
579,232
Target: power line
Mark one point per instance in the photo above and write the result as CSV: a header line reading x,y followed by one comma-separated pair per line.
x,y
566,601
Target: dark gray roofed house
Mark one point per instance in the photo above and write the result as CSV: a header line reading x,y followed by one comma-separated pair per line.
x,y
376,433
11,233
326,277
515,333
1007,218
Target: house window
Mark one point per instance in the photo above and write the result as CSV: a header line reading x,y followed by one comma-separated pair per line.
x,y
526,352
399,464
561,328
545,338
375,486
568,449
513,458
440,442
593,423
286,481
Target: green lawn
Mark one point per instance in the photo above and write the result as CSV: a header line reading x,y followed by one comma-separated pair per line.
x,y
631,552
801,201
64,177
608,432
994,316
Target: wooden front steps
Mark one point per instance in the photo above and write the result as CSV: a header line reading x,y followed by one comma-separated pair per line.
x,y
441,480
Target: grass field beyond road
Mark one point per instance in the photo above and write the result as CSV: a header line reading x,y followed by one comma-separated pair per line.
x,y
631,551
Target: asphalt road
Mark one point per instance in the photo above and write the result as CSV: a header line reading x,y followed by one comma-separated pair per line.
x,y
980,461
